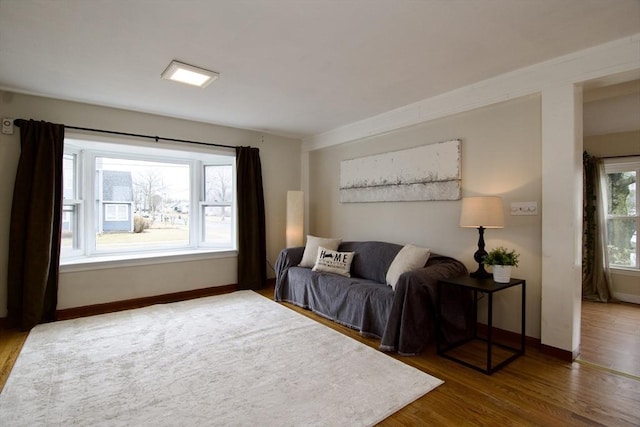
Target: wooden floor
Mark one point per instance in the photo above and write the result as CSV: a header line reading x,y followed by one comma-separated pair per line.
x,y
610,336
534,390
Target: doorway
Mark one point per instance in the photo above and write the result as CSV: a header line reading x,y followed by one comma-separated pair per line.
x,y
609,334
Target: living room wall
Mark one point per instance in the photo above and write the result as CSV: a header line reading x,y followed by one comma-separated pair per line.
x,y
95,286
501,155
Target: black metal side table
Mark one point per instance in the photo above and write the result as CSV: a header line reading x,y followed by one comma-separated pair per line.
x,y
488,287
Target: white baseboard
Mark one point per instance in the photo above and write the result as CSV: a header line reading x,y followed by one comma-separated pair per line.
x,y
635,299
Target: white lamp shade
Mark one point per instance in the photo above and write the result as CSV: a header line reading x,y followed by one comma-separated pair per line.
x,y
295,218
482,212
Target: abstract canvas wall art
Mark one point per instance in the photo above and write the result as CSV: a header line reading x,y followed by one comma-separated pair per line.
x,y
428,172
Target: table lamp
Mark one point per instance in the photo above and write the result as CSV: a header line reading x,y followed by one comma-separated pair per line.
x,y
481,212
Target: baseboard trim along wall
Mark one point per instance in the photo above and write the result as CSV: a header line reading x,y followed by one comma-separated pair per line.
x,y
634,299
558,353
110,307
502,335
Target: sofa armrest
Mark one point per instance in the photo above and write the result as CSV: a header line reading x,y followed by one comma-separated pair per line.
x,y
438,267
456,303
288,257
411,324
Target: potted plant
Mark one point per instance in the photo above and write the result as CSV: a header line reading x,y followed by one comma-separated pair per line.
x,y
501,260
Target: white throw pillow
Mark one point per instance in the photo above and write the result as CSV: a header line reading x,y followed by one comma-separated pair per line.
x,y
334,261
409,258
311,249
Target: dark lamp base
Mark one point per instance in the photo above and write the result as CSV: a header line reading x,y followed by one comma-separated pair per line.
x,y
481,273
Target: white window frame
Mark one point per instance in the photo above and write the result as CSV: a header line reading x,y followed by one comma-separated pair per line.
x,y
77,205
627,164
87,148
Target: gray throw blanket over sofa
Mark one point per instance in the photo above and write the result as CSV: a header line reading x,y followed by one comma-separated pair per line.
x,y
404,319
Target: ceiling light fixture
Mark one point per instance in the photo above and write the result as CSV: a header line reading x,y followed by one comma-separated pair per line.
x,y
189,74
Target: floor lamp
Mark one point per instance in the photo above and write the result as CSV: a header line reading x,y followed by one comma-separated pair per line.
x,y
481,213
295,218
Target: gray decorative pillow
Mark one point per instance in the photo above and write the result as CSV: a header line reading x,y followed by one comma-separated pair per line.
x,y
311,249
334,261
409,258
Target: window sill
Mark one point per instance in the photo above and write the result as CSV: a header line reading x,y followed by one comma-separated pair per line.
x,y
625,271
138,259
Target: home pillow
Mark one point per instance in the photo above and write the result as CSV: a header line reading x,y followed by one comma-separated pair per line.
x,y
334,261
409,258
311,249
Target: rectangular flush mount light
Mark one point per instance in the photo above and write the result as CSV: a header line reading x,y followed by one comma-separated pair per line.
x,y
185,73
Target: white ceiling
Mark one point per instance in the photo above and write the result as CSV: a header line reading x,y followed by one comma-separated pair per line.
x,y
288,67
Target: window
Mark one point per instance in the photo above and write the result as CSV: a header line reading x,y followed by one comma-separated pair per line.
x,y
217,204
116,213
124,199
71,208
623,218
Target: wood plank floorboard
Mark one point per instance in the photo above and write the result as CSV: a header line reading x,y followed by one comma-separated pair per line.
x,y
11,342
610,337
534,390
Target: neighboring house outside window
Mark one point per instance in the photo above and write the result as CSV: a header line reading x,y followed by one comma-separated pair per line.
x,y
115,201
623,213
145,199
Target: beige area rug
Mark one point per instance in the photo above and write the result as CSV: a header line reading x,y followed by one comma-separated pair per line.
x,y
232,360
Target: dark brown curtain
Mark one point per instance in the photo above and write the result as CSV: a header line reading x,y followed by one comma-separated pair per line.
x,y
34,233
252,242
596,280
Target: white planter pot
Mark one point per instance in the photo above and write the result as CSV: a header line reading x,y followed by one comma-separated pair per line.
x,y
501,273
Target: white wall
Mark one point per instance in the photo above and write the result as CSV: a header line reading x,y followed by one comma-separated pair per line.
x,y
280,159
501,155
612,115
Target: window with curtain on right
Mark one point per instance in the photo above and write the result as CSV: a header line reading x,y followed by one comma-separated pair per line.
x,y
623,220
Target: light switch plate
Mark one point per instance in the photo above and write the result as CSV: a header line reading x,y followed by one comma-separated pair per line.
x,y
524,208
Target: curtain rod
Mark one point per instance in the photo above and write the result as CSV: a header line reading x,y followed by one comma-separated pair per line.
x,y
18,122
620,157
585,153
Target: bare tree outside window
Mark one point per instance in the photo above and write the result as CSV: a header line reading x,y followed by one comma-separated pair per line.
x,y
149,185
216,208
622,218
219,187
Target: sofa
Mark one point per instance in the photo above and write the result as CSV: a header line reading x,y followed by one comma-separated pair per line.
x,y
401,314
